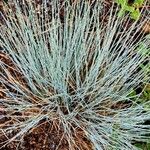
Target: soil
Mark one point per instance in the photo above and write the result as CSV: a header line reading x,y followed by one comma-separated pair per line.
x,y
48,136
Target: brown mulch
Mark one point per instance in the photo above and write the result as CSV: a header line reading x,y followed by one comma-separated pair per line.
x,y
49,136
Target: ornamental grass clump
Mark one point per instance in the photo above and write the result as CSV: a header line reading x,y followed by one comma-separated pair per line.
x,y
72,64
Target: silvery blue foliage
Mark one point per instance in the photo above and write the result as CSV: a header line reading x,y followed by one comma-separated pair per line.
x,y
79,70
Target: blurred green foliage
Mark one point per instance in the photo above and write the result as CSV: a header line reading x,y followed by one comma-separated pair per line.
x,y
143,146
133,9
145,94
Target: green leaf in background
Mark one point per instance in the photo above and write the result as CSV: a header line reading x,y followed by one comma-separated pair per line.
x,y
121,2
146,93
138,3
143,146
135,14
134,9
132,93
130,8
121,13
